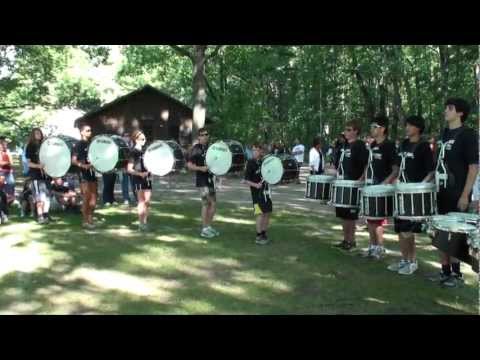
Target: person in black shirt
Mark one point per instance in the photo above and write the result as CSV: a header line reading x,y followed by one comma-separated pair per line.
x,y
88,180
262,202
418,167
351,167
457,165
205,182
37,175
141,178
381,169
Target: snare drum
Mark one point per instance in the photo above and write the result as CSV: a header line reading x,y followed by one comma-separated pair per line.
x,y
454,237
108,153
415,201
377,202
468,218
272,169
163,157
346,193
318,187
56,155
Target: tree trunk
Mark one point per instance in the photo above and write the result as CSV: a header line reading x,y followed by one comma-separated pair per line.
x,y
444,63
199,89
369,104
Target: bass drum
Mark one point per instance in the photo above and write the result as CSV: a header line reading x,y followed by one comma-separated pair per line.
x,y
225,156
238,156
272,169
163,157
108,153
56,155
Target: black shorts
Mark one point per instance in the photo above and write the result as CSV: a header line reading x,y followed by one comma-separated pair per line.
x,y
262,205
141,184
405,226
347,213
87,176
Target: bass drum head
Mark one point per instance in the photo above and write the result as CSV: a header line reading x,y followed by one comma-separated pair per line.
x,y
103,154
159,158
272,170
56,156
219,158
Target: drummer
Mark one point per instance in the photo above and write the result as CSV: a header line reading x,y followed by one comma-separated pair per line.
x,y
461,162
205,182
353,163
262,202
141,178
381,170
88,180
418,167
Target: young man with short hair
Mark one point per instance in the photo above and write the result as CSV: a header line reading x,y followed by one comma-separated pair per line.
x,y
380,170
418,167
205,182
460,158
353,162
316,158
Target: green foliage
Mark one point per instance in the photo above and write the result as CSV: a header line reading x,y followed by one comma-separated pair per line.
x,y
78,93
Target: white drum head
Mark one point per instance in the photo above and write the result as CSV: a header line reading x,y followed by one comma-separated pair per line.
x,y
56,157
219,158
103,154
159,158
272,170
379,190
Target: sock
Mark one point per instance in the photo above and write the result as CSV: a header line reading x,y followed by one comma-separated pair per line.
x,y
45,215
446,270
259,233
264,233
456,269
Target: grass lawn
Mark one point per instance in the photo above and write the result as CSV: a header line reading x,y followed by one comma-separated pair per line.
x,y
60,269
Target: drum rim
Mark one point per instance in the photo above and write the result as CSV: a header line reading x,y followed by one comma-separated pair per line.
x,y
415,188
388,190
324,177
349,182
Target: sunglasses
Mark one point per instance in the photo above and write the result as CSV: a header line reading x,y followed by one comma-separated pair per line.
x,y
204,134
348,130
376,126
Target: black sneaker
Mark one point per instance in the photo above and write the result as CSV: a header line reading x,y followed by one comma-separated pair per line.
x,y
350,246
262,240
340,245
453,281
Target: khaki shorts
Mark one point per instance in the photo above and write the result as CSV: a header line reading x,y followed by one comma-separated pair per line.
x,y
208,195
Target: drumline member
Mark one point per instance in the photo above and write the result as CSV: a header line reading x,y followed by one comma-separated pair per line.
x,y
458,155
381,170
141,178
351,167
37,175
262,201
88,179
205,182
316,159
417,166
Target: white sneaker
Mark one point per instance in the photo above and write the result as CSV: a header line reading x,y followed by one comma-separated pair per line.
x,y
107,204
408,269
126,203
369,252
397,266
206,233
88,226
378,252
213,231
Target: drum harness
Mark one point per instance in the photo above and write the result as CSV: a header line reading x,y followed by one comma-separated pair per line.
x,y
266,191
441,171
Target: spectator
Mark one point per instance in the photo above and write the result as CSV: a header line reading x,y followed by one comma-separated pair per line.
x,y
298,151
6,167
64,195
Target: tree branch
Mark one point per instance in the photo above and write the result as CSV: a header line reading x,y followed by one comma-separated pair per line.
x,y
214,52
181,51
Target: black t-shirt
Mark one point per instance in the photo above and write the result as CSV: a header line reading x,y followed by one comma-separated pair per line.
x,y
197,157
81,152
419,160
136,157
32,153
253,174
355,160
460,152
383,160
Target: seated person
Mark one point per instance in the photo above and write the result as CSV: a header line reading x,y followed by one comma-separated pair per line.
x,y
27,203
65,196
